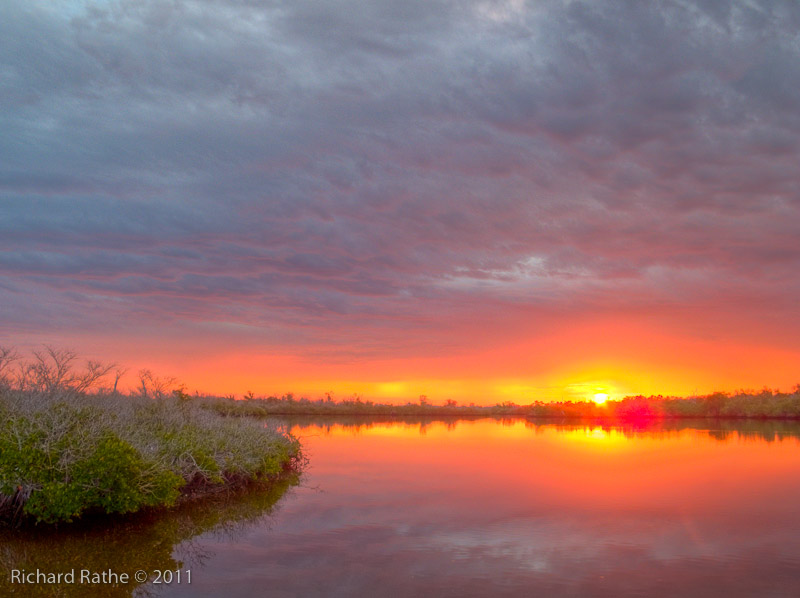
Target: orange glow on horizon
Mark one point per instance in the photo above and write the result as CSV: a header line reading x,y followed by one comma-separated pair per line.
x,y
566,365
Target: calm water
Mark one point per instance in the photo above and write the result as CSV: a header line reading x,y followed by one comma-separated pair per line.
x,y
476,508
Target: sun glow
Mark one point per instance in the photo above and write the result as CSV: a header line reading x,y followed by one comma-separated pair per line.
x,y
600,398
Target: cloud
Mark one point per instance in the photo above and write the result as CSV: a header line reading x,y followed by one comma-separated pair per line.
x,y
310,163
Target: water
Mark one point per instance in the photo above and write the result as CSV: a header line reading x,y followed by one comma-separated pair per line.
x,y
476,508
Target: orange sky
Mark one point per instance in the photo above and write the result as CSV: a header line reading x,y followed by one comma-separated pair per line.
x,y
515,373
611,356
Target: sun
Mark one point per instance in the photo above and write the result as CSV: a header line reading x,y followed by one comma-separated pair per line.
x,y
600,398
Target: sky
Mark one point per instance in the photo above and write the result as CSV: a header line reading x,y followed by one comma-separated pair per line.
x,y
478,200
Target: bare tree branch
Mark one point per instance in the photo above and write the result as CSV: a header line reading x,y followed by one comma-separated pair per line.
x,y
7,357
118,373
154,386
94,371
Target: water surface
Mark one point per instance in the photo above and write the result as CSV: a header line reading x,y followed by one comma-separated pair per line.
x,y
504,508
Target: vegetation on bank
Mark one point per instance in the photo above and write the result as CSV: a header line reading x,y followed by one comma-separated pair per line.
x,y
744,404
66,452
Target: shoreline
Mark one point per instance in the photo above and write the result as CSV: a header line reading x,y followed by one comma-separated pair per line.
x,y
421,414
764,405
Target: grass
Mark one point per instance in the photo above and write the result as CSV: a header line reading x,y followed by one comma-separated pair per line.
x,y
64,454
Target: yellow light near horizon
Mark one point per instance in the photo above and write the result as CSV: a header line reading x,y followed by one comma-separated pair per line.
x,y
600,398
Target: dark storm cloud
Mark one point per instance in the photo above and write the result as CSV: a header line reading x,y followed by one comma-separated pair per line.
x,y
308,161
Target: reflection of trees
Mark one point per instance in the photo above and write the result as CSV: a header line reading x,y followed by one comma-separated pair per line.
x,y
719,429
148,541
358,424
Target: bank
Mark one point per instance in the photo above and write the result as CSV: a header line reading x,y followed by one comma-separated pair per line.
x,y
67,455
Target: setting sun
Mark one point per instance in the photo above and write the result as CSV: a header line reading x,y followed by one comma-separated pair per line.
x,y
600,397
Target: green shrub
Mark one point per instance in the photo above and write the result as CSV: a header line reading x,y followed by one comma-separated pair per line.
x,y
60,460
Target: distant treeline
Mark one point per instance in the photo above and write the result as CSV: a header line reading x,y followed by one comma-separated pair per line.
x,y
764,404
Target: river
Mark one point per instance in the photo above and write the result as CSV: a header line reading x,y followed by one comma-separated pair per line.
x,y
479,507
